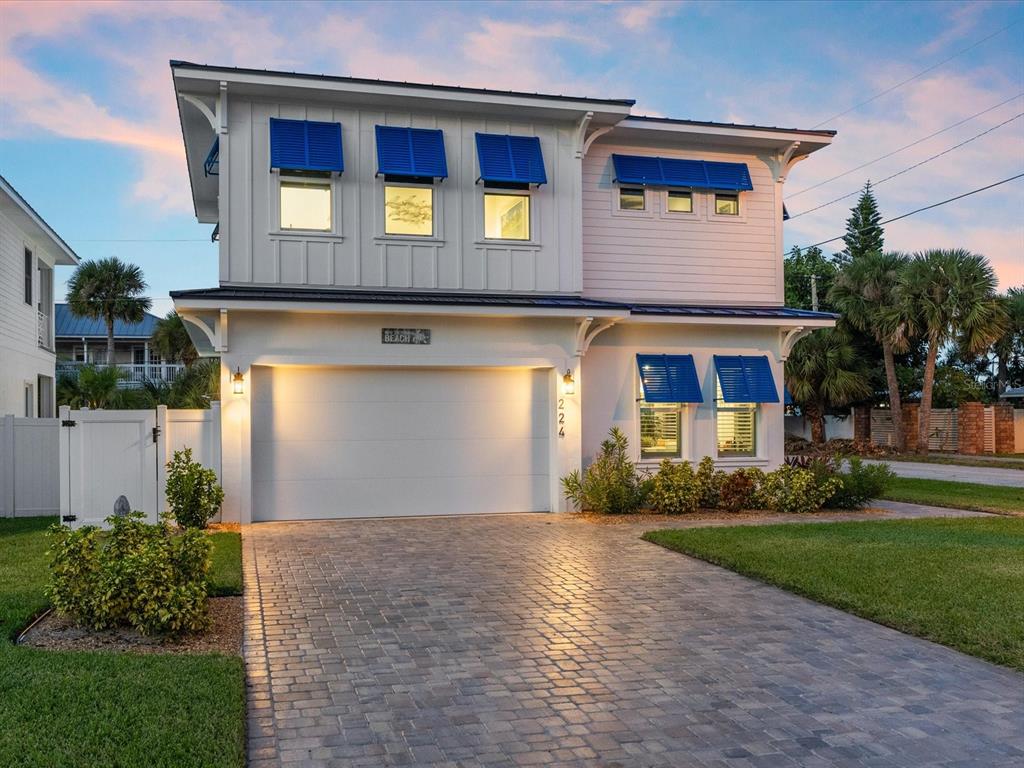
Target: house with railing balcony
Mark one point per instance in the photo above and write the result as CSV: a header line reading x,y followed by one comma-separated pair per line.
x,y
81,341
29,251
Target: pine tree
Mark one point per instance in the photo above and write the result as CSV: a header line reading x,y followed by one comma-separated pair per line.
x,y
864,234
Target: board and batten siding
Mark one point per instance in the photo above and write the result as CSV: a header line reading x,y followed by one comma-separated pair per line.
x,y
357,254
698,258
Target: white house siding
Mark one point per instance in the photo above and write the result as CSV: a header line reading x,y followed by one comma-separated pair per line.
x,y
357,254
21,359
611,386
701,258
328,345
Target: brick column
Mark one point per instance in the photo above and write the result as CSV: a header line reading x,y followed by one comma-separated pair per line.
x,y
971,426
862,423
1004,428
911,414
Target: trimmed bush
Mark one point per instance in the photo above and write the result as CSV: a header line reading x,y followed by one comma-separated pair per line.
x,y
793,490
710,481
860,484
739,489
675,489
147,577
193,495
610,485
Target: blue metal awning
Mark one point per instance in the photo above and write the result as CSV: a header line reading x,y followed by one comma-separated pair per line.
x,y
305,145
415,152
746,379
211,165
510,159
669,379
675,172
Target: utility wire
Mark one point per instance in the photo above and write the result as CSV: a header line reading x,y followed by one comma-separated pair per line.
x,y
910,79
906,146
919,210
909,168
142,240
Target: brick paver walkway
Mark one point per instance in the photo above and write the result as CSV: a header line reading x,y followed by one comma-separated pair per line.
x,y
542,640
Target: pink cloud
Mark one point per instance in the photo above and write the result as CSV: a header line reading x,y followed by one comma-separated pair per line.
x,y
639,16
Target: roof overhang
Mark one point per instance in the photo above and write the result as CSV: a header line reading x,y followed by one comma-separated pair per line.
x,y
17,208
664,131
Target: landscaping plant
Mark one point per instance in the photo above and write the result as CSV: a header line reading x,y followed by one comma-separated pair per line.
x,y
147,577
739,488
675,489
793,490
859,484
193,494
610,485
709,480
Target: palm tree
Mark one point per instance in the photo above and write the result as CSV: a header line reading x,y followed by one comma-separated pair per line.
x,y
864,292
171,340
946,295
823,371
108,290
1011,342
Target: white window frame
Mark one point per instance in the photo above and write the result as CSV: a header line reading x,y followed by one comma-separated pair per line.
x,y
28,279
681,413
528,194
30,399
713,214
438,223
720,404
617,210
275,206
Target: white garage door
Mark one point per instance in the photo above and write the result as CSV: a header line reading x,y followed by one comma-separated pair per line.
x,y
369,442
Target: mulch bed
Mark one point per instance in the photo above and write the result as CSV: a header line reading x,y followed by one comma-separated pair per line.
x,y
58,633
650,518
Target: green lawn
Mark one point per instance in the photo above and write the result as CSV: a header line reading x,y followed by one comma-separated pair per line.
x,y
101,708
957,581
948,493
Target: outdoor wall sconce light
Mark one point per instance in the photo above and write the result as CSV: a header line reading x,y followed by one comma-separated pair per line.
x,y
238,381
568,383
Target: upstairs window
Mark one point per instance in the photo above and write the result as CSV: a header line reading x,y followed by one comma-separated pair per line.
x,y
306,205
506,216
680,201
631,199
727,205
29,263
408,209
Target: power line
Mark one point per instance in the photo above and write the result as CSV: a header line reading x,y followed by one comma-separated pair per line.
x,y
923,72
142,240
919,210
906,146
909,168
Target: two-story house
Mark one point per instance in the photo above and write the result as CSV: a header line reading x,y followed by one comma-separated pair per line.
x,y
29,250
438,300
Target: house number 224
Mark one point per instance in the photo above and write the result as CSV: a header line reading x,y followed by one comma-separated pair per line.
x,y
560,415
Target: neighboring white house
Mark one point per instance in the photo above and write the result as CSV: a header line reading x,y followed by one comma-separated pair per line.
x,y
29,250
439,300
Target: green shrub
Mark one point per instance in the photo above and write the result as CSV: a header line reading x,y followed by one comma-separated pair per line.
x,y
675,489
610,485
739,489
859,484
193,495
709,481
794,490
147,577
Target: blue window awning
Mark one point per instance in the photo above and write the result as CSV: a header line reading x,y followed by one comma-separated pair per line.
x,y
787,399
669,379
675,172
510,159
746,379
411,152
211,165
305,145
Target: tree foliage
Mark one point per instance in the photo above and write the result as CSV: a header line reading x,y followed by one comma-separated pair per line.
x,y
171,341
800,265
108,290
864,233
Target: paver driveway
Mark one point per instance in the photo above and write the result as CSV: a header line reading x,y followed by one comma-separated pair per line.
x,y
542,640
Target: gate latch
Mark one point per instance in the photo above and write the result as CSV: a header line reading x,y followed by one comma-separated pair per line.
x,y
69,423
156,433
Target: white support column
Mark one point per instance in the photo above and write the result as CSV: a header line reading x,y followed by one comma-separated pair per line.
x,y
236,441
64,463
567,432
7,465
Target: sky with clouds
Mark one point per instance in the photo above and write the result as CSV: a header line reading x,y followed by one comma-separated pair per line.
x,y
89,132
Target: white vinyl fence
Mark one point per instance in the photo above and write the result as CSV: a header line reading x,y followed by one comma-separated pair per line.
x,y
79,464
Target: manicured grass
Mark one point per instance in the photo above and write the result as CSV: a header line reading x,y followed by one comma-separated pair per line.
x,y
948,493
957,581
226,564
89,709
958,461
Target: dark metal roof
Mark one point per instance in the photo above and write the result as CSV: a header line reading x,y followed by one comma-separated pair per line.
x,y
176,64
711,124
68,324
493,300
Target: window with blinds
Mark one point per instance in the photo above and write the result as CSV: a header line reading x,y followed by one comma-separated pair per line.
x,y
737,427
660,430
